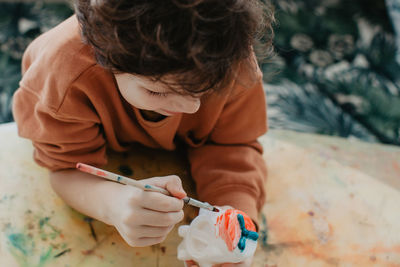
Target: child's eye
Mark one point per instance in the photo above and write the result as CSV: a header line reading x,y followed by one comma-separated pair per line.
x,y
156,93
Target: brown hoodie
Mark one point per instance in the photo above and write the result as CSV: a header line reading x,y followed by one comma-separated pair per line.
x,y
71,109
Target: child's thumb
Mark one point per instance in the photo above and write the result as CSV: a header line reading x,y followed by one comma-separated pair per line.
x,y
172,183
174,186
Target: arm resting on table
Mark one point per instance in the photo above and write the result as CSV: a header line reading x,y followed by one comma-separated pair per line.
x,y
85,193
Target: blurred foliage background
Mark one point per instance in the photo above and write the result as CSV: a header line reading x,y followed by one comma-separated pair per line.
x,y
20,23
336,69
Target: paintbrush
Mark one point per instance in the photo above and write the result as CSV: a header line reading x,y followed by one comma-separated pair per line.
x,y
146,187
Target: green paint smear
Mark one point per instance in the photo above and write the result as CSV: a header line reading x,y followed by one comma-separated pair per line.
x,y
44,258
22,261
7,197
43,221
264,231
22,246
21,242
44,235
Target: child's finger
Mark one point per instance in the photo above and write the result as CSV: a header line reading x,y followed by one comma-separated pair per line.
x,y
152,231
246,263
159,202
190,263
172,183
154,218
148,241
174,186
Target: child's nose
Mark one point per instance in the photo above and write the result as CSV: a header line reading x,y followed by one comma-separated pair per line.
x,y
188,104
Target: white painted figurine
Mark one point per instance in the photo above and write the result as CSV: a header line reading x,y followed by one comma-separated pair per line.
x,y
218,237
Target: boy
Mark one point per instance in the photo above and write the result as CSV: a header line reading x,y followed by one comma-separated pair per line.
x,y
152,72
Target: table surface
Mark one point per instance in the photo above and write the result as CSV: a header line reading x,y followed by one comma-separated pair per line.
x,y
330,202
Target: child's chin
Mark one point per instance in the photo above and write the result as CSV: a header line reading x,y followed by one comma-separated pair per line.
x,y
168,113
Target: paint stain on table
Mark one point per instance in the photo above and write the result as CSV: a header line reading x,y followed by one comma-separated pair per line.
x,y
163,249
37,244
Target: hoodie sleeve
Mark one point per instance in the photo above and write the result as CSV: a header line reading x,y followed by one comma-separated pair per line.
x,y
229,168
59,140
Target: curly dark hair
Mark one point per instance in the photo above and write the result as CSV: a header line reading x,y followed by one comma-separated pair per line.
x,y
200,42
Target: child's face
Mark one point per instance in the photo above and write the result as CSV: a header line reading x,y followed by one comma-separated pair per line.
x,y
145,94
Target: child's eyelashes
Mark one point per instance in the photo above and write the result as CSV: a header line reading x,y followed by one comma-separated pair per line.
x,y
152,93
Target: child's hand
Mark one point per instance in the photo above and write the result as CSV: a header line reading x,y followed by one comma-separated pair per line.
x,y
144,218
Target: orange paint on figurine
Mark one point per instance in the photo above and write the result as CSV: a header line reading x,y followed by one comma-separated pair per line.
x,y
217,237
229,228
